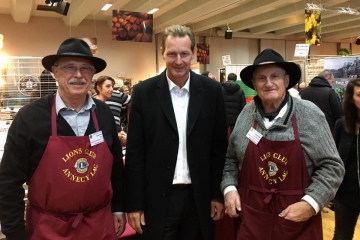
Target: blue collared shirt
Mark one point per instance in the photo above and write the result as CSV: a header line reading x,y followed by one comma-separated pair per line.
x,y
78,121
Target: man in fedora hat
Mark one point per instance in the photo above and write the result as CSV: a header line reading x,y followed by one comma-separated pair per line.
x,y
282,165
65,146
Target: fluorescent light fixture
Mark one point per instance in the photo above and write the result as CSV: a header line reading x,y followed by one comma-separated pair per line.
x,y
106,7
153,10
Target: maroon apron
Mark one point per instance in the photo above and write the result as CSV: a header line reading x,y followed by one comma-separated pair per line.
x,y
274,176
70,191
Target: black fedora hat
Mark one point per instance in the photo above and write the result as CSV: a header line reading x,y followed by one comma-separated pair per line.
x,y
74,47
269,56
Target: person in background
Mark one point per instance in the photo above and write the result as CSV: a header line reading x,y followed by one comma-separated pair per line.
x,y
104,87
116,102
234,98
66,148
346,135
294,93
47,83
282,165
320,92
209,75
176,148
125,110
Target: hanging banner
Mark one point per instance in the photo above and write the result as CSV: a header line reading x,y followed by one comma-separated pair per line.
x,y
203,53
132,26
313,27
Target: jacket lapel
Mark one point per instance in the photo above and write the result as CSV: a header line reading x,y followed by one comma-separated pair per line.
x,y
164,99
195,101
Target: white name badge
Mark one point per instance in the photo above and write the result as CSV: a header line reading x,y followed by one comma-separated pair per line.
x,y
96,138
254,136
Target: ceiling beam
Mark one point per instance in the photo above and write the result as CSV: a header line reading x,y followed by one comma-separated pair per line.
x,y
337,23
247,10
326,18
348,33
181,14
21,10
143,5
78,11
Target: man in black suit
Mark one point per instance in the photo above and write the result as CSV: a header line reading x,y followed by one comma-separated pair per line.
x,y
176,148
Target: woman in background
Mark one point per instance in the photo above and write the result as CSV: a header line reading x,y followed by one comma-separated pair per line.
x,y
346,135
104,87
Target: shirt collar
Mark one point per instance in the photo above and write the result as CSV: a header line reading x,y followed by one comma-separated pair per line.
x,y
90,104
172,84
280,115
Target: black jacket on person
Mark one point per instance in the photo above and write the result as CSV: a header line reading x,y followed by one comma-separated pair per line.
x,y
235,101
322,95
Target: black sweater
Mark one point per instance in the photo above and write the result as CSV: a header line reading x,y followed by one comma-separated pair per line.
x,y
26,142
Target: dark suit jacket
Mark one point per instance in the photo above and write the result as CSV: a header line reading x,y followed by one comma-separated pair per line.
x,y
152,148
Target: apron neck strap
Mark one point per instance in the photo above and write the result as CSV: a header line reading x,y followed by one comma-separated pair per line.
x,y
294,125
53,119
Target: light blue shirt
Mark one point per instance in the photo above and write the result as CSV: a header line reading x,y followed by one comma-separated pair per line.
x,y
78,121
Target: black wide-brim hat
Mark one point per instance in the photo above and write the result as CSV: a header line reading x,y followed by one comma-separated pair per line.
x,y
74,47
269,56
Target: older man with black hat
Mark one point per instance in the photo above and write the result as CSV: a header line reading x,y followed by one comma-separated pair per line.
x,y
65,146
282,165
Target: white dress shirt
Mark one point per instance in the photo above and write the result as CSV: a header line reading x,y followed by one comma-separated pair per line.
x,y
180,101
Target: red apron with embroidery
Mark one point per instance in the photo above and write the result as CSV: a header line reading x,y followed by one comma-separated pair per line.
x,y
70,191
274,176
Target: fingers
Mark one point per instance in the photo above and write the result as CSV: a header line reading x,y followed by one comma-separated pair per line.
x,y
134,221
119,222
122,225
142,219
232,203
218,212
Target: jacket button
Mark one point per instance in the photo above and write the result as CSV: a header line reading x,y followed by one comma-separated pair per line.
x,y
174,137
164,194
168,167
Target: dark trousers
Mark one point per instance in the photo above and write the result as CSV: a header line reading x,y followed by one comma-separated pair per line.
x,y
182,222
345,220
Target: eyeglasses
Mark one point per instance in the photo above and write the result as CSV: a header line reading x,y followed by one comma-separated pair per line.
x,y
71,69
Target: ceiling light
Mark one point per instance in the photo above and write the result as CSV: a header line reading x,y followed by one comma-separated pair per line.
x,y
106,7
153,10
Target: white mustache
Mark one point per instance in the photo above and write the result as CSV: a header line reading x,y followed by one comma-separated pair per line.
x,y
77,81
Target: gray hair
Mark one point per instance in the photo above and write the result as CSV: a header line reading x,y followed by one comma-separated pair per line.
x,y
178,31
325,74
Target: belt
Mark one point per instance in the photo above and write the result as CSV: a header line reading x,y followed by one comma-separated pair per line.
x,y
182,186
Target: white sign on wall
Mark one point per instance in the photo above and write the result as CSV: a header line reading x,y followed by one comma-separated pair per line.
x,y
226,60
302,50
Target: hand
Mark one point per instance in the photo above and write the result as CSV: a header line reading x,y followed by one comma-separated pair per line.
x,y
136,219
217,210
232,203
329,205
298,212
120,222
122,137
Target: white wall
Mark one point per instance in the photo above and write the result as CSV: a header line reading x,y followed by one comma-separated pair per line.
x,y
42,36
